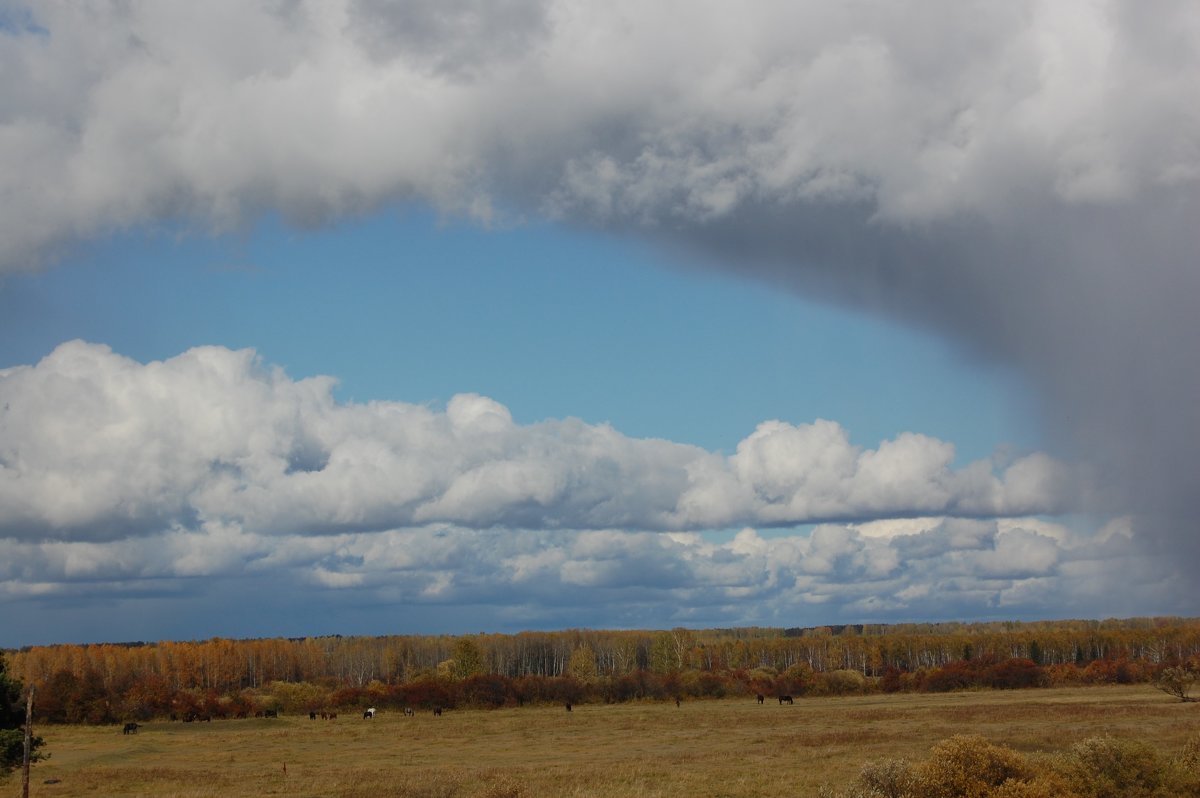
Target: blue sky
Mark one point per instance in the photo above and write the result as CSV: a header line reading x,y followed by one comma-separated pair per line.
x,y
550,321
361,318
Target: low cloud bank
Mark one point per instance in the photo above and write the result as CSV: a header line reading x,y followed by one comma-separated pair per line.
x,y
444,578
95,446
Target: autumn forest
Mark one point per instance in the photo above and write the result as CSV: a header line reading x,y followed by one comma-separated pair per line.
x,y
222,678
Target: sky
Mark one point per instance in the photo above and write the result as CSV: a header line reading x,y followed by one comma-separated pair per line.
x,y
381,318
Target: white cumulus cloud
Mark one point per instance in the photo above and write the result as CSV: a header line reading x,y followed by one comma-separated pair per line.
x,y
95,446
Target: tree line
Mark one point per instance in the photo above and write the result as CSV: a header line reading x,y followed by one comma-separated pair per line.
x,y
221,677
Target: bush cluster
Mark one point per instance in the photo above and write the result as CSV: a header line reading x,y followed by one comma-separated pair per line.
x,y
973,767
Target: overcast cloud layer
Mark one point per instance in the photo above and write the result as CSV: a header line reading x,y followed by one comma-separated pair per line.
x,y
430,579
1021,177
668,115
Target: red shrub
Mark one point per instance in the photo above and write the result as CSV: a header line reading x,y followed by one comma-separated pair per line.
x,y
1014,674
425,693
487,690
890,681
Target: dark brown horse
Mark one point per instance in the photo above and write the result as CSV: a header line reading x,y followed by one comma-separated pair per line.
x,y
785,699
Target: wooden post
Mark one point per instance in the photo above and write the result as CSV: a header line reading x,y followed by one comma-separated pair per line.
x,y
28,743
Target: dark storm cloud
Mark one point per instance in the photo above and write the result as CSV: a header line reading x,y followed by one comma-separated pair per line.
x,y
1095,305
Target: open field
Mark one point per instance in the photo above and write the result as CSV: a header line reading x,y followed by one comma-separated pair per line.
x,y
705,748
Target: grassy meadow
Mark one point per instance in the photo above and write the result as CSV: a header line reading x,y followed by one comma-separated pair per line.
x,y
730,747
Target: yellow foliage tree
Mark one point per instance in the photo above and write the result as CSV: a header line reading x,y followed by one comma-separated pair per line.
x,y
582,665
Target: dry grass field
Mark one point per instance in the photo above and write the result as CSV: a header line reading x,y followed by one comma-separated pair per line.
x,y
704,748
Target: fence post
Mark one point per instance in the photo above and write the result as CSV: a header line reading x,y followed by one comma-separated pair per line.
x,y
28,743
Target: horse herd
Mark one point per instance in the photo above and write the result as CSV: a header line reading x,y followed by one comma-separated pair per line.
x,y
368,714
409,712
783,699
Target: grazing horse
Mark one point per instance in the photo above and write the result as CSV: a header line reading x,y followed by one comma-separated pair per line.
x,y
785,699
130,728
370,713
270,713
761,698
437,711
